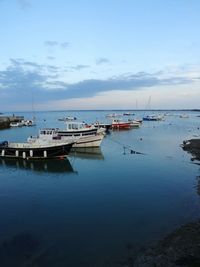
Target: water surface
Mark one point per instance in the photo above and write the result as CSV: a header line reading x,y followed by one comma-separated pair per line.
x,y
87,210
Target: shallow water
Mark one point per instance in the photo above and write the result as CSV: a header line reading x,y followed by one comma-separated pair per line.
x,y
87,211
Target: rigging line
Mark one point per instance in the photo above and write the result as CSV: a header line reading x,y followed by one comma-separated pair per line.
x,y
127,147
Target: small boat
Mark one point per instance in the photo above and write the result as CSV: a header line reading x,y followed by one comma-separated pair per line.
x,y
118,124
68,118
134,123
128,114
28,123
39,149
16,124
113,115
184,116
152,118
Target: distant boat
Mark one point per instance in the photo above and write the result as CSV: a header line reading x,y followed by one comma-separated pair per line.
x,y
153,118
184,116
28,123
134,123
68,118
128,114
113,115
118,124
16,124
22,123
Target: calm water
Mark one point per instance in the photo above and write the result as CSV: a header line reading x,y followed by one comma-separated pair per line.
x,y
86,211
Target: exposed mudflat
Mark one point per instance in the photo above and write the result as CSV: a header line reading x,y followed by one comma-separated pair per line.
x,y
192,146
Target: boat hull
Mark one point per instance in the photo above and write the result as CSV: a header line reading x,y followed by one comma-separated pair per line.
x,y
85,142
121,125
33,152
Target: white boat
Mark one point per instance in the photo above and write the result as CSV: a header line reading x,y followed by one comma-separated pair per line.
x,y
16,124
35,149
184,116
68,118
113,115
82,134
134,123
28,123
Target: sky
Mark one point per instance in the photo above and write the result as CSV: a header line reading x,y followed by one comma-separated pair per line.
x,y
99,54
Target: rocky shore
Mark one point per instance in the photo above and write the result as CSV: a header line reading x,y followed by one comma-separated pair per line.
x,y
193,147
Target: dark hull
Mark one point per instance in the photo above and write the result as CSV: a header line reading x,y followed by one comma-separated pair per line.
x,y
150,119
57,151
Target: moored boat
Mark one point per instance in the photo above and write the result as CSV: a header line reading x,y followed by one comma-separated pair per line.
x,y
153,118
82,134
118,124
39,149
68,118
134,123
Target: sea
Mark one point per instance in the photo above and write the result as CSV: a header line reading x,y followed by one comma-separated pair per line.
x,y
97,205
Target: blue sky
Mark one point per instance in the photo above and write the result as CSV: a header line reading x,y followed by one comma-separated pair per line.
x,y
99,54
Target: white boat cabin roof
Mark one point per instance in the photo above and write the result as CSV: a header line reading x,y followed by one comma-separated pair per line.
x,y
75,125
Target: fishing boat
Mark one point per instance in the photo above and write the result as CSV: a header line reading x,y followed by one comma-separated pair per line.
x,y
82,134
37,149
118,124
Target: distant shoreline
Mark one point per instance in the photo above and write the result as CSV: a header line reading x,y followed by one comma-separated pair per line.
x,y
103,110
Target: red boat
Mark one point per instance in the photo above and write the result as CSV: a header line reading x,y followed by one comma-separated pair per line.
x,y
117,124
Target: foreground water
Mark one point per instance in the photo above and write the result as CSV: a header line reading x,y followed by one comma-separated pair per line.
x,y
89,210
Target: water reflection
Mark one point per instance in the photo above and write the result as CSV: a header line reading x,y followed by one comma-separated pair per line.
x,y
39,165
87,153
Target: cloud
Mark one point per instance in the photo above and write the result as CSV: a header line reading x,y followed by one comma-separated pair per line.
x,y
24,4
51,58
64,45
79,67
102,60
51,43
24,78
